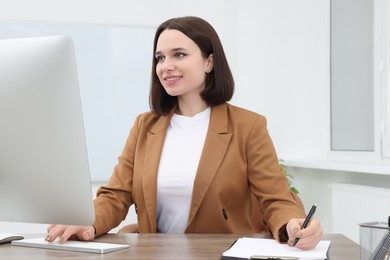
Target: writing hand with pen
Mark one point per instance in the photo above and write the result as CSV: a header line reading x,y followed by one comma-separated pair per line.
x,y
304,233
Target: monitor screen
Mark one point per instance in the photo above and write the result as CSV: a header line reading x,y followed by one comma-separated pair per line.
x,y
44,171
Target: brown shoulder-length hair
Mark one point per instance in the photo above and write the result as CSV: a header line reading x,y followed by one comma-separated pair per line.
x,y
219,82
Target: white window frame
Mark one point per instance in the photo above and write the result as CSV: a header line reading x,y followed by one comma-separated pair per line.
x,y
385,78
381,85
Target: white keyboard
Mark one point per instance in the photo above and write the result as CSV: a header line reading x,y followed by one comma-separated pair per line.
x,y
77,246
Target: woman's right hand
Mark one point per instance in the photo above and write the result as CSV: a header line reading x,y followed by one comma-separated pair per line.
x,y
65,233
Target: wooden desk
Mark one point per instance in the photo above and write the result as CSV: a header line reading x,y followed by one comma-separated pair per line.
x,y
168,247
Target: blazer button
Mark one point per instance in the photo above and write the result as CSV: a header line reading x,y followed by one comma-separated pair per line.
x,y
225,215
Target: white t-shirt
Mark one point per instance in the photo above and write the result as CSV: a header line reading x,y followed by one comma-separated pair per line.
x,y
178,165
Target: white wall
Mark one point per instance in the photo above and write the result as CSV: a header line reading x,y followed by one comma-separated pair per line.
x,y
283,72
279,53
220,13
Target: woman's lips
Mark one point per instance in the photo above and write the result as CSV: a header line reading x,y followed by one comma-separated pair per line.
x,y
170,80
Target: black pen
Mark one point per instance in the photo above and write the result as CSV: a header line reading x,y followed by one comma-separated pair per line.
x,y
307,220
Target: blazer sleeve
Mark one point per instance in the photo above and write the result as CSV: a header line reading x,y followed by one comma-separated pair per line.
x,y
113,200
268,182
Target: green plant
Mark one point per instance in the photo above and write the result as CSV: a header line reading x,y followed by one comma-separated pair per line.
x,y
288,175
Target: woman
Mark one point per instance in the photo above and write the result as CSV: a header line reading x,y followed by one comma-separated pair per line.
x,y
191,164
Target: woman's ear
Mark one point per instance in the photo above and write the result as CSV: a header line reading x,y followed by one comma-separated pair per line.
x,y
210,63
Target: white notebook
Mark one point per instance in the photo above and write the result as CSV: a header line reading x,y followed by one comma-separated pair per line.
x,y
271,249
77,246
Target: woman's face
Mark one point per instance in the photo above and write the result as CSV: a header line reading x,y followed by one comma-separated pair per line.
x,y
181,67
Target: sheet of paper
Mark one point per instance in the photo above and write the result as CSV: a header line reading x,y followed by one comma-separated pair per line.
x,y
246,247
78,246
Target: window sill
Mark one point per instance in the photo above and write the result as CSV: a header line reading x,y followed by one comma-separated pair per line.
x,y
371,168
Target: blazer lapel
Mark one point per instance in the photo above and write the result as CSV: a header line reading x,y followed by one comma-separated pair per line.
x,y
214,150
154,144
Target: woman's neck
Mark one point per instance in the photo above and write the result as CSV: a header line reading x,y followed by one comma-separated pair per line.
x,y
190,108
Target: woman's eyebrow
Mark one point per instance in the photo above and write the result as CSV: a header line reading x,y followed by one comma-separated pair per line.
x,y
172,50
178,49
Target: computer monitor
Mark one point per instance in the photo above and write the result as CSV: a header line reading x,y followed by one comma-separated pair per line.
x,y
44,171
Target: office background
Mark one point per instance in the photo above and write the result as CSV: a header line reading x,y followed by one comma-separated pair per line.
x,y
279,53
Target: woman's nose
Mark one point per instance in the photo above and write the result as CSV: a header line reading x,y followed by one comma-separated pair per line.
x,y
168,66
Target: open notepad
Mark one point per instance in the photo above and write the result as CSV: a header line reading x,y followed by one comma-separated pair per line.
x,y
77,246
248,247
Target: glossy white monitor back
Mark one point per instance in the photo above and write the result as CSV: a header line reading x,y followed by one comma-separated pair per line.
x,y
44,172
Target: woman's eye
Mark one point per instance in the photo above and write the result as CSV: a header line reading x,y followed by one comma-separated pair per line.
x,y
160,58
180,55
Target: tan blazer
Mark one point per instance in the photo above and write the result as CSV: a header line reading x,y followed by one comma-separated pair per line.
x,y
238,159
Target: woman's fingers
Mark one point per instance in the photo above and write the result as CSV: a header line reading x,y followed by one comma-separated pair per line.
x,y
65,233
309,237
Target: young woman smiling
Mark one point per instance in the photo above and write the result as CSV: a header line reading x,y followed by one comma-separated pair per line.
x,y
193,163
